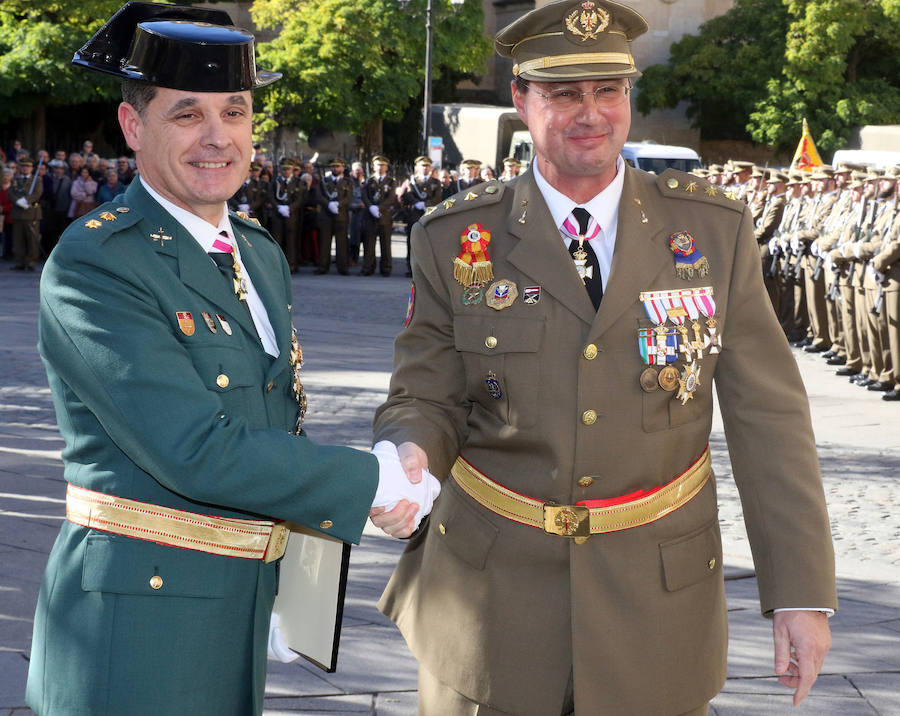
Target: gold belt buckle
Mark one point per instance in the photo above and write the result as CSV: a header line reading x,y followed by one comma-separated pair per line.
x,y
277,542
567,520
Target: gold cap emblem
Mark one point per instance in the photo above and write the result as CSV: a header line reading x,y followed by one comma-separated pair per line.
x,y
587,21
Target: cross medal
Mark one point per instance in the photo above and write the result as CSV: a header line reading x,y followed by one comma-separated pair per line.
x,y
580,258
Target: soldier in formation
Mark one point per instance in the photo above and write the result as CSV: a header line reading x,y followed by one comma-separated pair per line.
x,y
829,244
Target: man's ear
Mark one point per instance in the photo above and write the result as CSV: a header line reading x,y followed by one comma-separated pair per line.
x,y
132,124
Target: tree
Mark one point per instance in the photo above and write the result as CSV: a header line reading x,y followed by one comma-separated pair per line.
x,y
350,65
721,72
37,41
841,71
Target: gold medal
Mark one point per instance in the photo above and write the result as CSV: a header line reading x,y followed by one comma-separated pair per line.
x,y
668,378
501,294
649,381
688,382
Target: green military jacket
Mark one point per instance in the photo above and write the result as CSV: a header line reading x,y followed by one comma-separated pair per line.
x,y
136,374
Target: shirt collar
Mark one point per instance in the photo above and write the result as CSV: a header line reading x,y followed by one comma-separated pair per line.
x,y
202,231
604,207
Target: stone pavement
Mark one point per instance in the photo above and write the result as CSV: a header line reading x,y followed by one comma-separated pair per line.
x,y
347,325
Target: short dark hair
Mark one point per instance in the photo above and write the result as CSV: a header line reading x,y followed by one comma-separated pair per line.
x,y
521,84
138,94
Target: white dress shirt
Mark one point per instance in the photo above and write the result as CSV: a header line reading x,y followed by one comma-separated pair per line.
x,y
604,208
205,234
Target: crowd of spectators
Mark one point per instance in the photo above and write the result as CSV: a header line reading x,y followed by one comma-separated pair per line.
x,y
76,182
73,184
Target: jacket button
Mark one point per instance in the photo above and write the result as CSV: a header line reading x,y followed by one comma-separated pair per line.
x,y
326,524
589,417
711,565
270,386
672,183
585,481
491,341
442,529
222,380
590,351
156,582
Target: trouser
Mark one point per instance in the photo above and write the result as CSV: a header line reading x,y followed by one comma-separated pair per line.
x,y
879,345
335,226
891,309
859,316
356,234
26,242
438,699
414,216
848,325
814,291
283,230
771,282
382,228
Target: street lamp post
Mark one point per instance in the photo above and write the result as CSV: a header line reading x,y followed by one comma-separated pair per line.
x,y
429,41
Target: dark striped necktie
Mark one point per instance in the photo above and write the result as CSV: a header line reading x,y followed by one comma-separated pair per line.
x,y
580,227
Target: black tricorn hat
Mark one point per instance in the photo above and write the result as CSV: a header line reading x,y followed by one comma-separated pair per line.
x,y
175,46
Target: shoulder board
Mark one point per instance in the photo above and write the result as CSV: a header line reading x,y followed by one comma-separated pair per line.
x,y
245,218
480,195
246,222
104,221
681,185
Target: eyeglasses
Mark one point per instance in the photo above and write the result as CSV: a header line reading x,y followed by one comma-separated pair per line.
x,y
564,98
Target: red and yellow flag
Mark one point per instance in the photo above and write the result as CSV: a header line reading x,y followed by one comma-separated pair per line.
x,y
806,158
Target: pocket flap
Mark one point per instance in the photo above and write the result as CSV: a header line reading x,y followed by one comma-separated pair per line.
x,y
692,557
461,529
123,565
509,334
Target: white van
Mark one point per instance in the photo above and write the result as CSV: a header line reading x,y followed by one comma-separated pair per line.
x,y
880,158
656,158
649,156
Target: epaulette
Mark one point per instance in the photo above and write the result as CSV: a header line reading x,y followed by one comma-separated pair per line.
x,y
485,193
246,217
681,185
104,221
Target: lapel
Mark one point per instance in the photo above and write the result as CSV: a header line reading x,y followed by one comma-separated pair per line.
x,y
641,252
541,252
195,269
267,282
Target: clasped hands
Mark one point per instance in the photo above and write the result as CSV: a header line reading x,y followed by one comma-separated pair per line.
x,y
406,490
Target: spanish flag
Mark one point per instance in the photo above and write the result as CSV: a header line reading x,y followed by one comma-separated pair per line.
x,y
806,158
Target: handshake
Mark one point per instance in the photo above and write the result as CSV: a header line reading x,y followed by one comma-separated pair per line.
x,y
402,479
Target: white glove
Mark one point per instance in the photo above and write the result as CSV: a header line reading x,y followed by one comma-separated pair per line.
x,y
333,207
856,248
394,485
22,201
375,211
284,210
244,207
795,245
278,648
814,248
773,245
420,205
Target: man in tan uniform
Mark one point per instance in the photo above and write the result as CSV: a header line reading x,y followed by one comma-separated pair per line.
x,y
562,336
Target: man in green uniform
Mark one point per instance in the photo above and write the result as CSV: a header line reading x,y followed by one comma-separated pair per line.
x,y
564,333
166,332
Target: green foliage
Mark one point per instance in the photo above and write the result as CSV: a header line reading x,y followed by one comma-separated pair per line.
x,y
841,71
37,41
721,72
347,64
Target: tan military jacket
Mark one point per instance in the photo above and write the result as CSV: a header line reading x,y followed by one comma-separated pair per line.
x,y
504,612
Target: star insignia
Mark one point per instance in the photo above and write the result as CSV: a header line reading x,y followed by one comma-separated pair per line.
x,y
448,203
711,191
691,187
93,224
471,195
108,216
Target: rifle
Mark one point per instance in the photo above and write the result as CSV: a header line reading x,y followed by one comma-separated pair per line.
x,y
798,268
820,261
879,300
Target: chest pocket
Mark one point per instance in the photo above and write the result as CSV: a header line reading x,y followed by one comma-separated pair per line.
x,y
234,375
500,354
